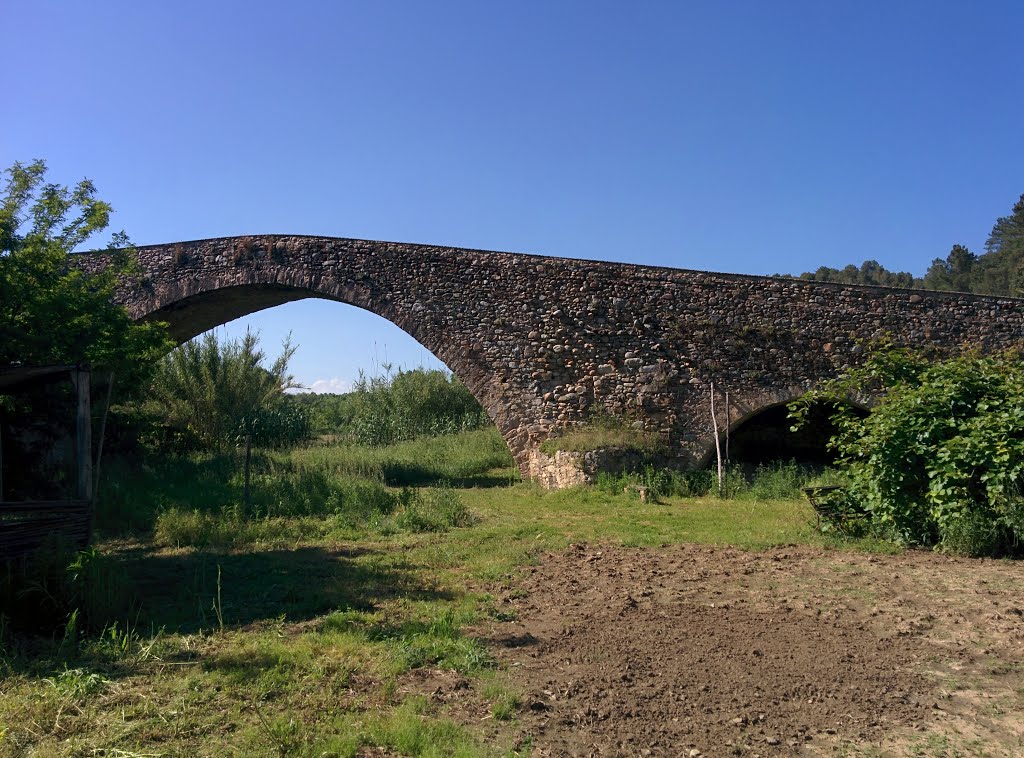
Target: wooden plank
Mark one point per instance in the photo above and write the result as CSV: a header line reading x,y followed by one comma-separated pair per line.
x,y
13,379
48,518
20,537
43,505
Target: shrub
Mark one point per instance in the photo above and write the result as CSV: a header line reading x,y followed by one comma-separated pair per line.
x,y
434,510
407,405
777,481
658,482
210,393
940,459
971,533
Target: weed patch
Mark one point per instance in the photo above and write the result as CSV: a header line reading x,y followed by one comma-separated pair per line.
x,y
602,433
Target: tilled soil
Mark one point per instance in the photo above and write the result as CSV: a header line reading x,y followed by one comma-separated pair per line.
x,y
695,650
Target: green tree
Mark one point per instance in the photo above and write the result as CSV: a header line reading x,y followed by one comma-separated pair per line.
x,y
217,394
1001,270
52,311
955,273
870,272
1008,231
213,393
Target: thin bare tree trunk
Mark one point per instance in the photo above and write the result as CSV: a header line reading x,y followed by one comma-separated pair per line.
x,y
718,444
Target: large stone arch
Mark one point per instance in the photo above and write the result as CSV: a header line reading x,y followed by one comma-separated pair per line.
x,y
545,342
193,306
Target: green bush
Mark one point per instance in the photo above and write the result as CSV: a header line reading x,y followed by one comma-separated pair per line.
x,y
209,394
407,405
658,482
971,533
433,510
782,480
940,459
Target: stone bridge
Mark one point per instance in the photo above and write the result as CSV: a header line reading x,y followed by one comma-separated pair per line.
x,y
545,343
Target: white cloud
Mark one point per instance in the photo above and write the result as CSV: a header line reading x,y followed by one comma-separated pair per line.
x,y
334,386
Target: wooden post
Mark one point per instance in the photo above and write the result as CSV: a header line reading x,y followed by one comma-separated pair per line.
x,y
728,421
103,431
83,436
247,494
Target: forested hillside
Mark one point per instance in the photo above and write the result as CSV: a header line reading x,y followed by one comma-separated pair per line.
x,y
997,271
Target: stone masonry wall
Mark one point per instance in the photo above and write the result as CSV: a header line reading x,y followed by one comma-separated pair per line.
x,y
570,468
545,342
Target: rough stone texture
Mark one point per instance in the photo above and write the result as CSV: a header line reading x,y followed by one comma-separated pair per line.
x,y
554,472
543,342
570,468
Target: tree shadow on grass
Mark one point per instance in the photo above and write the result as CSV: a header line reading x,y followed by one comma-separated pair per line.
x,y
148,591
133,491
188,591
133,494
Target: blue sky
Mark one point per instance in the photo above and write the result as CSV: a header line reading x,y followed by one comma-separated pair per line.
x,y
750,137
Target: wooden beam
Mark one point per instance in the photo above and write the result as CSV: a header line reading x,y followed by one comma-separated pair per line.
x,y
83,436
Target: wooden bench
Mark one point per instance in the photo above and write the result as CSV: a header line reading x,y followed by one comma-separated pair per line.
x,y
831,504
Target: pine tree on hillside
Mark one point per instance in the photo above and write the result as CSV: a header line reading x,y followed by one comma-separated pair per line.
x,y
1002,266
955,273
998,271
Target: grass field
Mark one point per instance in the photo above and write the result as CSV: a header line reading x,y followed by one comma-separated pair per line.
x,y
199,628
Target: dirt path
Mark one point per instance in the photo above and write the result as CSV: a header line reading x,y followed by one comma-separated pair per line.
x,y
695,650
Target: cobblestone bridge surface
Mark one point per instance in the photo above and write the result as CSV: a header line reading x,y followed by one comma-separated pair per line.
x,y
544,343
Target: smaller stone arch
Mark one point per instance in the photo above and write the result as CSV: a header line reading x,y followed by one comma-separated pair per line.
x,y
759,429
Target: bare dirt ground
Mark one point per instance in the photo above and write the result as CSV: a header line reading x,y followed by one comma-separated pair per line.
x,y
694,650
